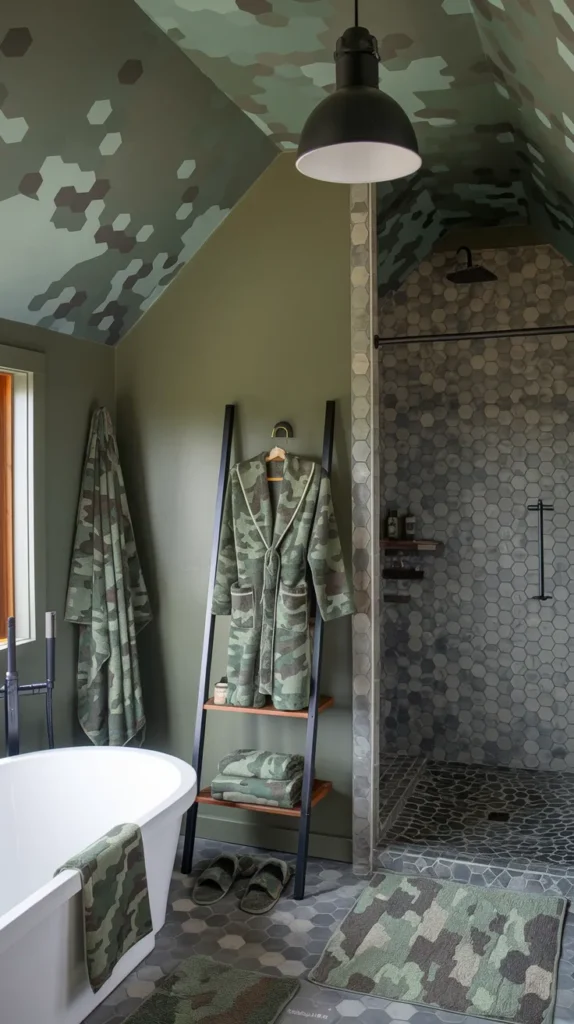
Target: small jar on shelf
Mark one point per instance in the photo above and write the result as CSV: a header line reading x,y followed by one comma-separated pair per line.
x,y
220,692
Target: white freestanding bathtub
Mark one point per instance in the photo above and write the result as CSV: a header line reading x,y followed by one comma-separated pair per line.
x,y
52,805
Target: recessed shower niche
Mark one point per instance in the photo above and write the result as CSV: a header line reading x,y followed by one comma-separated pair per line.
x,y
477,673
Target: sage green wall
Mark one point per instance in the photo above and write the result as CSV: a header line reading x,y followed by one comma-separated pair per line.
x,y
79,375
261,318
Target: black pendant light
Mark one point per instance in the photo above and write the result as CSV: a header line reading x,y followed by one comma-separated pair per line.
x,y
358,133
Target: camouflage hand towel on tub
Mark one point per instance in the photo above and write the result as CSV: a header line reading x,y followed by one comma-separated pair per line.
x,y
266,792
261,764
115,896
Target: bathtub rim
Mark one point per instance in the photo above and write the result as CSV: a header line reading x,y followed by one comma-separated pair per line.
x,y
23,916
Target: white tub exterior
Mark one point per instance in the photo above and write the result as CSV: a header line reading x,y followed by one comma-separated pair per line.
x,y
52,805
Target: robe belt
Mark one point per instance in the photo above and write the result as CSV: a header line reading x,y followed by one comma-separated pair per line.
x,y
269,595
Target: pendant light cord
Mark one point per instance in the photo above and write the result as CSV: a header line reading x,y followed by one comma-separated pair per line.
x,y
356,13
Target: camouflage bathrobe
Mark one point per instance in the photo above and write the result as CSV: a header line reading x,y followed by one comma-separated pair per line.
x,y
261,579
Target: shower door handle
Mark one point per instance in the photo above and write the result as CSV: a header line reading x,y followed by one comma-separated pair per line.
x,y
541,508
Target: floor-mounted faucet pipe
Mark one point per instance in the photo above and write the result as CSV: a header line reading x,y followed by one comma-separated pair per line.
x,y
11,708
13,689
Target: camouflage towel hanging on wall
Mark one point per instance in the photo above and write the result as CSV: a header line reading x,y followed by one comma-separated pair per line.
x,y
107,597
261,579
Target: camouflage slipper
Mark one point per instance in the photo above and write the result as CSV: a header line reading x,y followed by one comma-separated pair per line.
x,y
215,882
266,886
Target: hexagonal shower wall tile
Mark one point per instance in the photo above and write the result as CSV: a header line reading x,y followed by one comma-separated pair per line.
x,y
477,669
365,471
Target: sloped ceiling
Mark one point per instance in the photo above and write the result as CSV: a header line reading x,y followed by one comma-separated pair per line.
x,y
128,132
520,140
488,85
118,158
531,49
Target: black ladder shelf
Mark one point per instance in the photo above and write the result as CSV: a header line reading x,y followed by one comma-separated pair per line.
x,y
314,789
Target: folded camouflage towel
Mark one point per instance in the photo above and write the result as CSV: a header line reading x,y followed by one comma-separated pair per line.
x,y
261,764
117,912
267,792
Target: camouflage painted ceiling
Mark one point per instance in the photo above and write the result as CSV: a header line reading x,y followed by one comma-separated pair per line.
x,y
128,132
118,159
487,83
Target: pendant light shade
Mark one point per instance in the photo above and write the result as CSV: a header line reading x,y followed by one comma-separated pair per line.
x,y
358,134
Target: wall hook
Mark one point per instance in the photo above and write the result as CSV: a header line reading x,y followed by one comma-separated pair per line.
x,y
282,429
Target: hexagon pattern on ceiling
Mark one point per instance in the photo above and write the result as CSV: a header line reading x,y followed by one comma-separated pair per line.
x,y
528,55
119,158
487,84
125,143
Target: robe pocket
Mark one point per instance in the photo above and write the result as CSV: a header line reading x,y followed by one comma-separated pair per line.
x,y
292,608
242,607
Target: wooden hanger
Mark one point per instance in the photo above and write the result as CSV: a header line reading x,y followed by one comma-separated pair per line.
x,y
275,455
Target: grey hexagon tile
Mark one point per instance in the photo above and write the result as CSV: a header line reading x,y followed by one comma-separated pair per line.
x,y
365,513
470,436
476,671
313,1003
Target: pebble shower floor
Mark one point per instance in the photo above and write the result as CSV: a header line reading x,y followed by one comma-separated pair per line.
x,y
478,811
288,942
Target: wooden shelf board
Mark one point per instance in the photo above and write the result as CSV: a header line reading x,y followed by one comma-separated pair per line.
x,y
403,574
324,703
320,790
421,546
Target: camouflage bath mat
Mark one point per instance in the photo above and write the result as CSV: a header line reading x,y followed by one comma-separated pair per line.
x,y
201,991
483,952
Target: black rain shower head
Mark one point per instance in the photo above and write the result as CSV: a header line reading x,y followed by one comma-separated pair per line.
x,y
471,274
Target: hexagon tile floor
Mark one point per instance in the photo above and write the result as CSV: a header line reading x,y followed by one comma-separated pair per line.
x,y
289,942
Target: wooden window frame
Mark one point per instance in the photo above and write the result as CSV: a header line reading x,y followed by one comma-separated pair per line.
x,y
27,370
6,501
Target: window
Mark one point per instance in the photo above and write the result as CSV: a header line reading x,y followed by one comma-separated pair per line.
x,y
21,457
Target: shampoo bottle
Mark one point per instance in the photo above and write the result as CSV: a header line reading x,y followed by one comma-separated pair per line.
x,y
410,526
393,524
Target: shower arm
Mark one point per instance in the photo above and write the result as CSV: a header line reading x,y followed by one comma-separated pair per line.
x,y
510,332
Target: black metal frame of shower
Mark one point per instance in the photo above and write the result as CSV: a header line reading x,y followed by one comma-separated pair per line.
x,y
511,332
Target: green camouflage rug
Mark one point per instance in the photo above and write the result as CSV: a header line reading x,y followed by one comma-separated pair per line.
x,y
201,990
483,952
